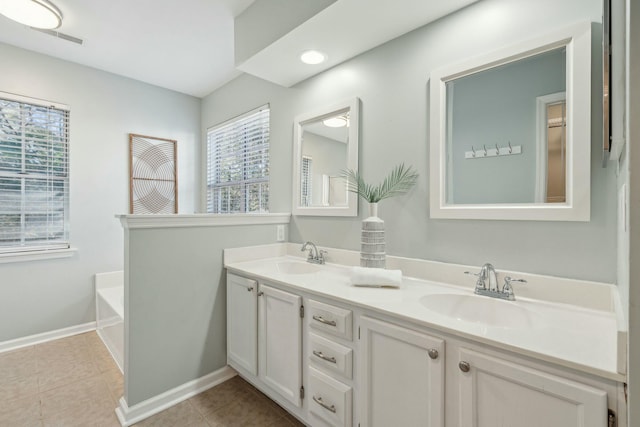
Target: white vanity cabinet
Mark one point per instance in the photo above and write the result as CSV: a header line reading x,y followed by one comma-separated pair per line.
x,y
330,360
497,392
264,335
280,342
402,376
242,323
333,363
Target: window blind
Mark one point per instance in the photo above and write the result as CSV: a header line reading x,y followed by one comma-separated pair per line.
x,y
238,164
34,175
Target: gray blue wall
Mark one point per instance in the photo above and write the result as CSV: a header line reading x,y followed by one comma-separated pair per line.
x,y
175,304
42,296
393,83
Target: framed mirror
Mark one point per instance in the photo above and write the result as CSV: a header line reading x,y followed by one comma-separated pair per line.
x,y
325,143
510,132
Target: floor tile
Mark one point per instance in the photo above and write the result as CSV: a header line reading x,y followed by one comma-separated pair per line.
x,y
93,391
21,412
74,382
182,414
18,387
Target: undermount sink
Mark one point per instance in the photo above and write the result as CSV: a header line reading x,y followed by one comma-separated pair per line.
x,y
480,309
293,267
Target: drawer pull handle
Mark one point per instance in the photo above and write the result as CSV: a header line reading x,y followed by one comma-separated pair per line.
x,y
433,353
323,320
260,293
464,366
319,401
323,357
250,289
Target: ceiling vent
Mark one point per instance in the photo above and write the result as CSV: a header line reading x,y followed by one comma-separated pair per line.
x,y
60,35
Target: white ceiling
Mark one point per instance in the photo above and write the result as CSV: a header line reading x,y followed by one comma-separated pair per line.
x,y
188,45
344,30
185,45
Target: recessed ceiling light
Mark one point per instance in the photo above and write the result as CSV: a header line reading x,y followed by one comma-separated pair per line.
x,y
34,13
335,122
313,57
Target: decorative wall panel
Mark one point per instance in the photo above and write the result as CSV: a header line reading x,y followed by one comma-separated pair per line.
x,y
153,175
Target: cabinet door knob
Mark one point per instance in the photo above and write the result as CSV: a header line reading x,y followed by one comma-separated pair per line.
x,y
250,289
260,293
464,366
433,353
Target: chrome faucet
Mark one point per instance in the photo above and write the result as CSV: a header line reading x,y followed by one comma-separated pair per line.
x,y
488,272
315,256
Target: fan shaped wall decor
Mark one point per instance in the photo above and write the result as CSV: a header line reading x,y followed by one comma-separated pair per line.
x,y
153,175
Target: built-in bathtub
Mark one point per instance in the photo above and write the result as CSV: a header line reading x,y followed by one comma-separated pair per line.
x,y
110,313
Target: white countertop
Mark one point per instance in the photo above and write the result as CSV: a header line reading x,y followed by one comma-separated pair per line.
x,y
581,338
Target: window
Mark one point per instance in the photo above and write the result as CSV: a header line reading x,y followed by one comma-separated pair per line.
x,y
305,186
34,178
238,164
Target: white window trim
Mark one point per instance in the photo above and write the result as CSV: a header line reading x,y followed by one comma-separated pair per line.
x,y
36,255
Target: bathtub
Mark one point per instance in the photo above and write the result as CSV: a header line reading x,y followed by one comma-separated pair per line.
x,y
110,313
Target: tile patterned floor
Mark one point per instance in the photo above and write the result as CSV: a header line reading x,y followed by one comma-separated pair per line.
x,y
74,382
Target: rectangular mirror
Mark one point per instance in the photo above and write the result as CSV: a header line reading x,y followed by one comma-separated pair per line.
x,y
325,144
510,132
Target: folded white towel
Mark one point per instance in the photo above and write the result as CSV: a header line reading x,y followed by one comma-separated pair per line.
x,y
375,277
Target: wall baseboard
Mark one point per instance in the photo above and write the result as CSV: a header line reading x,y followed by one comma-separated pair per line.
x,y
138,412
27,341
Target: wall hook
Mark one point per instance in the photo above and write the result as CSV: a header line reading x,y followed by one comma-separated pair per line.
x,y
510,148
497,150
485,150
473,150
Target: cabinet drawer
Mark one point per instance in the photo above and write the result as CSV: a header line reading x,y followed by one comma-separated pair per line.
x,y
330,355
330,400
331,319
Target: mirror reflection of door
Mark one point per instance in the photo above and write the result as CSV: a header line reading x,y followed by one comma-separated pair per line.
x,y
551,147
556,152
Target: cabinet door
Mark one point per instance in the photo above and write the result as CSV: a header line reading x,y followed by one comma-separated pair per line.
x,y
494,392
402,376
280,342
242,323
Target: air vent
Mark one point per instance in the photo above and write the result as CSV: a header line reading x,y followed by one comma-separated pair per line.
x,y
60,35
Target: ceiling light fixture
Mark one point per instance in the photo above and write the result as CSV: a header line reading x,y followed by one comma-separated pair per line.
x,y
34,13
313,57
336,122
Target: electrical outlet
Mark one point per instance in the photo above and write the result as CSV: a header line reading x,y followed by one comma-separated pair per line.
x,y
280,233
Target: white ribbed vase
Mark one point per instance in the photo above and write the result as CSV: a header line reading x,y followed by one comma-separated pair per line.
x,y
372,244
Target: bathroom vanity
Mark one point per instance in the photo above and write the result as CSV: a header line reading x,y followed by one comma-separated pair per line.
x,y
429,353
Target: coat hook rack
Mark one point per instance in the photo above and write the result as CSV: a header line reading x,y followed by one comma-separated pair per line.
x,y
508,150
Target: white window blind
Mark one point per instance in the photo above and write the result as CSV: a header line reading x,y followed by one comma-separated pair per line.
x,y
238,164
306,181
34,175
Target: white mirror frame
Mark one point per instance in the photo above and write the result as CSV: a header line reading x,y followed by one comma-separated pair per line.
x,y
351,209
577,40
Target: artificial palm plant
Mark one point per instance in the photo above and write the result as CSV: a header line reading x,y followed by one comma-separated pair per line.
x,y
399,181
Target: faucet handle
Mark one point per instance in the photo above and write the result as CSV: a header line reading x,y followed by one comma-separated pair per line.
x,y
480,282
508,280
508,289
